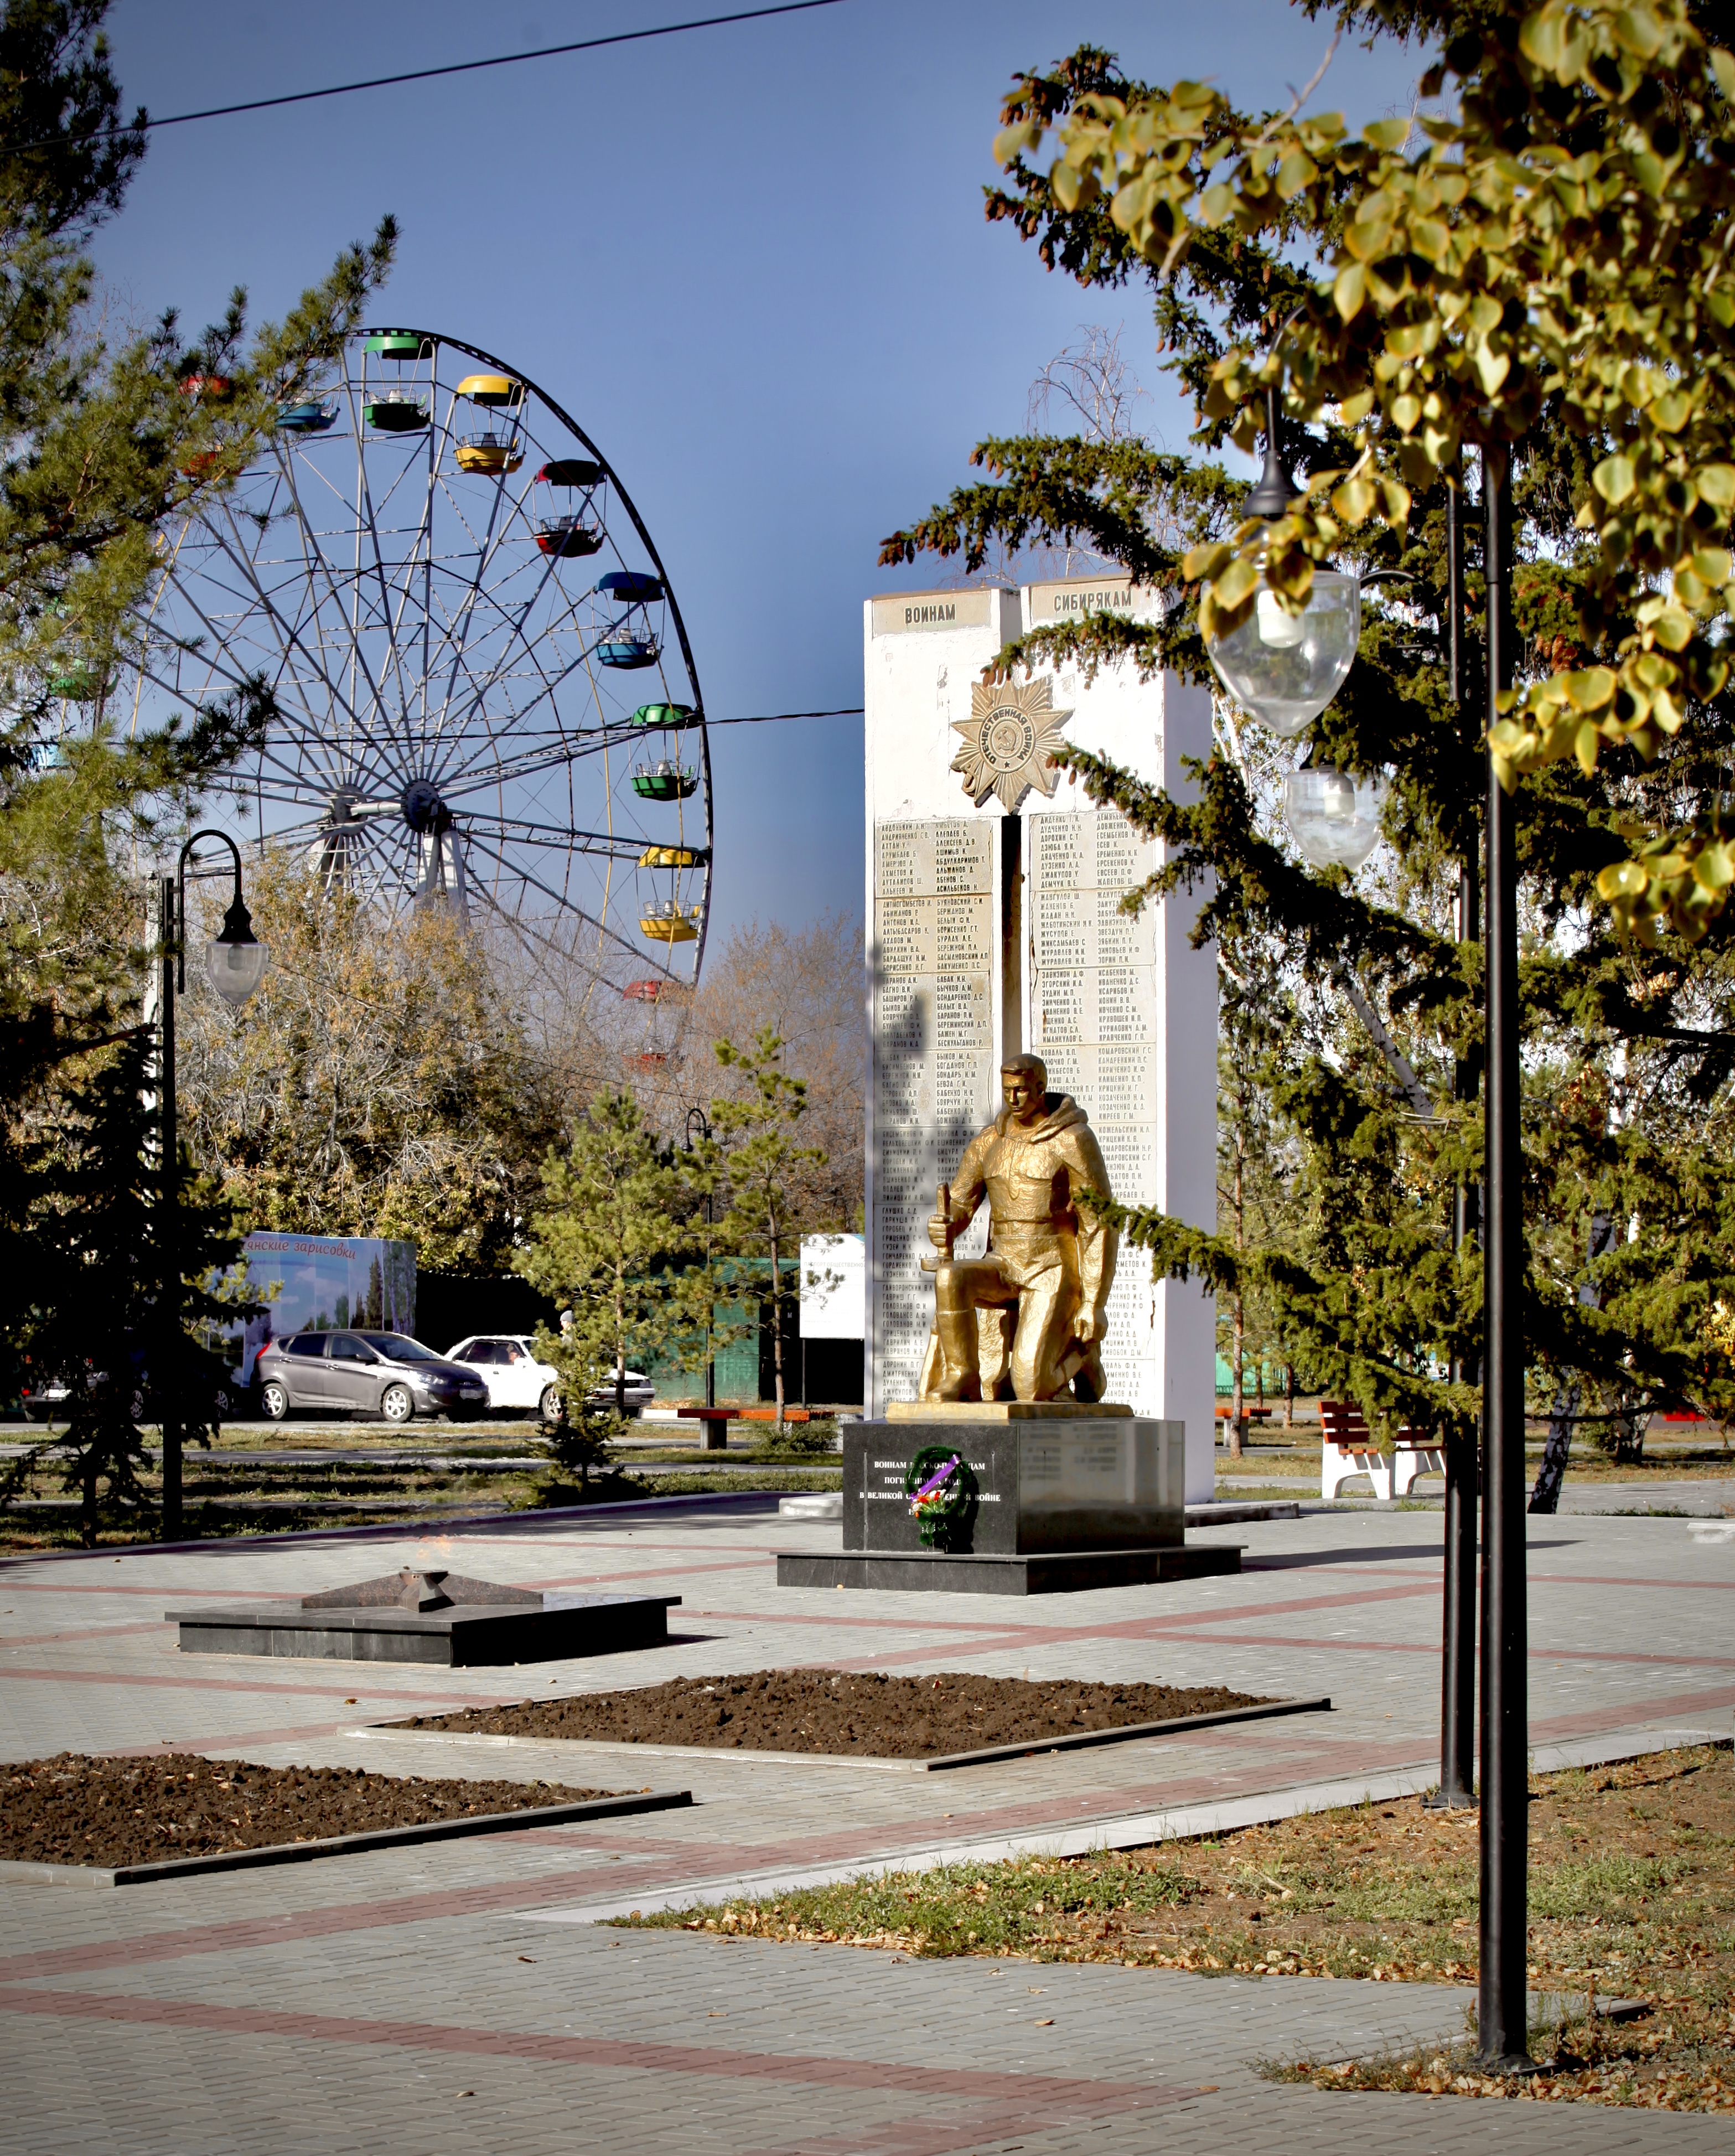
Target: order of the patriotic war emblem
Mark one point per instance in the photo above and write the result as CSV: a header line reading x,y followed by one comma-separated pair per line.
x,y
1009,739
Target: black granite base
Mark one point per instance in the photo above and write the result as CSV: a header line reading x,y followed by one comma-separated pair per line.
x,y
465,1634
1056,1572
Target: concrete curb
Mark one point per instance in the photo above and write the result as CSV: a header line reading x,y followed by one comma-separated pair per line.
x,y
1123,1831
343,1845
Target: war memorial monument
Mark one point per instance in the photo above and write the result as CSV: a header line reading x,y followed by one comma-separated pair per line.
x,y
1040,1410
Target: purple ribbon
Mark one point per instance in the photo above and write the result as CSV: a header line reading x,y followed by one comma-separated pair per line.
x,y
935,1480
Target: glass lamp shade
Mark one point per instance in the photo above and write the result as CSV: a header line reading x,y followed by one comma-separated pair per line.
x,y
1283,668
233,965
1333,817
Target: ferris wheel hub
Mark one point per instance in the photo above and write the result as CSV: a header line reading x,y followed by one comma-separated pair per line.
x,y
424,810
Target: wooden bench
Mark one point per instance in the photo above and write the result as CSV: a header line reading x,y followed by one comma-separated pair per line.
x,y
716,1420
1346,1450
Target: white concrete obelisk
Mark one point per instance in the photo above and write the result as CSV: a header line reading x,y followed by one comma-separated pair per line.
x,y
993,925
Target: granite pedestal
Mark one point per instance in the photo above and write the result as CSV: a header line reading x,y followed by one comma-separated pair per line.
x,y
430,1617
1065,1497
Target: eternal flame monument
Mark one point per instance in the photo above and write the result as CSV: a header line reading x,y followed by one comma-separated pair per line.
x,y
1040,1410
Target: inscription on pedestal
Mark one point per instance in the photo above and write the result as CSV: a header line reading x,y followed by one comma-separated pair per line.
x,y
1066,1485
1093,1006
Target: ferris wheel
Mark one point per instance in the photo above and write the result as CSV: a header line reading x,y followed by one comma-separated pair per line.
x,y
485,697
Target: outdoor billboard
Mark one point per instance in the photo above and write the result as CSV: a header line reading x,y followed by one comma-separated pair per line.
x,y
308,1281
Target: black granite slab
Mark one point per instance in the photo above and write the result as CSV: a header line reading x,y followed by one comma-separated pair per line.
x,y
1054,1572
1081,1483
462,1635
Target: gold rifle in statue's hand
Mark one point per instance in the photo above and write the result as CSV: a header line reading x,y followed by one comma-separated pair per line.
x,y
942,1256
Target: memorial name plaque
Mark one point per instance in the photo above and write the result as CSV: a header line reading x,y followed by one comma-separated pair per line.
x,y
1084,1484
1093,1020
1078,595
899,613
935,1066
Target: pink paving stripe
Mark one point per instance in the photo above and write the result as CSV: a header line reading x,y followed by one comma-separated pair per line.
x,y
237,1740
1312,1643
1059,2098
1676,1586
85,1632
258,1687
1684,1704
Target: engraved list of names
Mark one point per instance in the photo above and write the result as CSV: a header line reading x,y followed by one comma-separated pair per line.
x,y
936,927
1093,1009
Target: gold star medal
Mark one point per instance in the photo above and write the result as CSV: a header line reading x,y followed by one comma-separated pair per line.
x,y
1009,738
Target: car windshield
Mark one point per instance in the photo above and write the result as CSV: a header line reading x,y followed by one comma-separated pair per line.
x,y
399,1347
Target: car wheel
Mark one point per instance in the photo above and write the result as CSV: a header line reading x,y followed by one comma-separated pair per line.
x,y
273,1401
551,1407
138,1407
223,1408
396,1405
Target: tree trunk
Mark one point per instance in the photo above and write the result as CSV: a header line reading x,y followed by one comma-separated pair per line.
x,y
777,1329
1289,1396
1238,1327
620,1351
1545,1496
1237,1399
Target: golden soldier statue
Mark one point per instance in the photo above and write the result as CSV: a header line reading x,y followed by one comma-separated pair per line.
x,y
1032,1310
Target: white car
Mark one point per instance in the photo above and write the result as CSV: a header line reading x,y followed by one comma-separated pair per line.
x,y
517,1383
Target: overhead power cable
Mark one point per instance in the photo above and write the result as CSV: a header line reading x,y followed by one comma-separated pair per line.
x,y
769,718
456,67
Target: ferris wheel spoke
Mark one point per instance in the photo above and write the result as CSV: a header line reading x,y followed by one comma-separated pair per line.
x,y
290,637
482,539
519,873
317,563
550,685
571,748
539,942
392,615
522,830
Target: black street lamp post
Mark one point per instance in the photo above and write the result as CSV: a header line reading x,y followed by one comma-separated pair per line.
x,y
1501,2026
697,1115
1284,671
234,960
1457,1717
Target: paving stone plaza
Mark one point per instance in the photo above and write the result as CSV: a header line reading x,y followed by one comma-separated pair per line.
x,y
463,1996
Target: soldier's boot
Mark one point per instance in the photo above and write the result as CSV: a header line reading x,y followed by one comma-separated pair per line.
x,y
959,1378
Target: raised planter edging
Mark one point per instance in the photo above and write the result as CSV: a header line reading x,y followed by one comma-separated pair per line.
x,y
1031,1748
342,1844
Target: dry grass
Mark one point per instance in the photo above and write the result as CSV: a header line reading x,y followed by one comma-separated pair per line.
x,y
1631,1895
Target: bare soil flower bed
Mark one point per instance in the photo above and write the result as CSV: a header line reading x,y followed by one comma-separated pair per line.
x,y
76,1810
879,1717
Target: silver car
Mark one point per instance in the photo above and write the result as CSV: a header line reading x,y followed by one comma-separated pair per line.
x,y
382,1373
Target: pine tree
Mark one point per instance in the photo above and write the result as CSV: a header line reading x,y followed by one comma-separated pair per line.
x,y
1409,333
92,1273
99,450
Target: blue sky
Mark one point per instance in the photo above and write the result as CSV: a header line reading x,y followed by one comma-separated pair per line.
x,y
751,261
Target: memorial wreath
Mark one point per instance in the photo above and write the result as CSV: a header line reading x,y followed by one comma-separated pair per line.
x,y
942,1490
